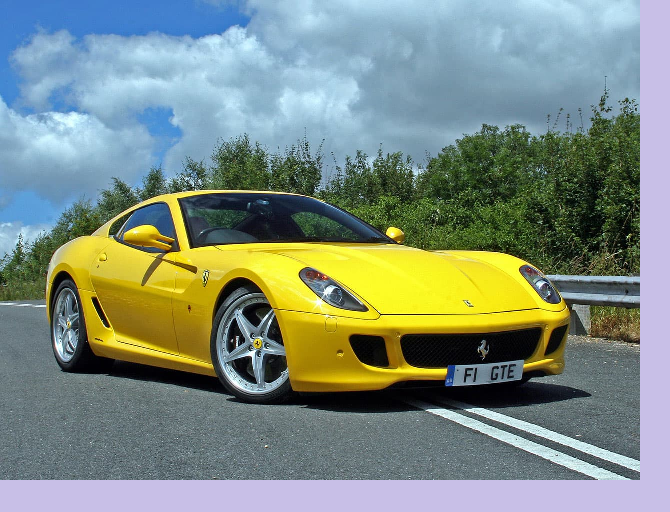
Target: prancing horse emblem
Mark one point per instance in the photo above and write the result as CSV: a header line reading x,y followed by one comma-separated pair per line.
x,y
205,277
483,349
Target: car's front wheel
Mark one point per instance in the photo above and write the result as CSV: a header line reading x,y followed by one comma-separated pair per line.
x,y
247,348
68,332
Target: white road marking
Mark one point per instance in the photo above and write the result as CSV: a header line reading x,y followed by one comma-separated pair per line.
x,y
23,305
545,433
519,442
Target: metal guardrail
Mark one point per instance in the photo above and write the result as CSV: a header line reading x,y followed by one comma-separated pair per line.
x,y
582,292
622,292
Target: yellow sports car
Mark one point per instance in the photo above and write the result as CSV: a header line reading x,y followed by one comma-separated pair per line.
x,y
275,293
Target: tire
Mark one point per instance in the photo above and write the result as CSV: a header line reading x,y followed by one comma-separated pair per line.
x,y
247,349
68,332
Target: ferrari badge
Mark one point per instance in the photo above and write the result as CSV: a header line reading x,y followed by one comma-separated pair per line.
x,y
483,349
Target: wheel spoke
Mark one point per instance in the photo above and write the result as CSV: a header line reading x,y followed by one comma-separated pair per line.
x,y
73,318
62,322
70,346
238,353
273,348
259,361
69,308
264,326
244,325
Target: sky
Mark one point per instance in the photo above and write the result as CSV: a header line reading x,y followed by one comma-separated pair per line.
x,y
93,90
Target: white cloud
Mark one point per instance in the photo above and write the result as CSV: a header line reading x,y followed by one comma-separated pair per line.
x,y
411,75
61,155
9,235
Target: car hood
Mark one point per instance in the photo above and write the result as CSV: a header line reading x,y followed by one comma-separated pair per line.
x,y
403,280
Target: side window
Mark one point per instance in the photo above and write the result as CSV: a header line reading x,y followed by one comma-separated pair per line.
x,y
115,228
157,215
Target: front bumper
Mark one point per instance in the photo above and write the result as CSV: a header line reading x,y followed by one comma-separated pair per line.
x,y
321,358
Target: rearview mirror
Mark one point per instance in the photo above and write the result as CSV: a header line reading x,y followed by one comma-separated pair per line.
x,y
395,234
147,236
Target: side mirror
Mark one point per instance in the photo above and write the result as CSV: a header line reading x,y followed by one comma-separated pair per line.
x,y
147,236
395,234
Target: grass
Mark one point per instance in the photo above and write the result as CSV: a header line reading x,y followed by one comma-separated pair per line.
x,y
615,323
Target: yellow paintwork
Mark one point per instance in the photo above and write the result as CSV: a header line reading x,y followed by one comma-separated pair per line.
x,y
395,234
148,236
160,309
328,363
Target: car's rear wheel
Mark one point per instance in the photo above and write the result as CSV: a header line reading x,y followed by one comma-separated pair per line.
x,y
247,348
68,332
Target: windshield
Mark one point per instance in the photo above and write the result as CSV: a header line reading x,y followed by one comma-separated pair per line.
x,y
245,217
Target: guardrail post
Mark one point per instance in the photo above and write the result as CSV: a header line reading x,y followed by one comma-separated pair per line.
x,y
580,319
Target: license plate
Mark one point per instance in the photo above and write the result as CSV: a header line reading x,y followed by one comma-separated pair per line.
x,y
490,373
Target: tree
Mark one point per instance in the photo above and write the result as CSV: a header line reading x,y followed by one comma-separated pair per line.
x,y
194,176
297,170
393,175
354,184
483,168
237,164
153,184
113,201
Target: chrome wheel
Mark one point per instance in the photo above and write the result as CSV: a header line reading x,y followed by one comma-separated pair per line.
x,y
249,352
65,325
68,332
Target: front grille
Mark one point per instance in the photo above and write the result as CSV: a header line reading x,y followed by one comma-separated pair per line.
x,y
441,350
555,339
370,350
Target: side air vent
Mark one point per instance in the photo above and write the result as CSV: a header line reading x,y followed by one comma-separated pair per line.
x,y
101,314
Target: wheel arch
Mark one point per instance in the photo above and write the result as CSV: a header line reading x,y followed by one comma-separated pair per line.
x,y
61,276
229,288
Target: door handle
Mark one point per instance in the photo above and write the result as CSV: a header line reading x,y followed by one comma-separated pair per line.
x,y
102,257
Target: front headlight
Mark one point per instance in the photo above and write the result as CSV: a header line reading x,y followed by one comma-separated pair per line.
x,y
541,284
330,291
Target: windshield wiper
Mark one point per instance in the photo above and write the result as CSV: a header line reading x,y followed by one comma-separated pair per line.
x,y
297,240
325,239
377,239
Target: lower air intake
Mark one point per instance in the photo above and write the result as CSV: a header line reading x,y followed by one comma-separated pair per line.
x,y
370,350
555,339
441,350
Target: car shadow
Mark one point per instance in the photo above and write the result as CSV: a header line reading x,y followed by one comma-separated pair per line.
x,y
531,393
146,373
384,401
395,400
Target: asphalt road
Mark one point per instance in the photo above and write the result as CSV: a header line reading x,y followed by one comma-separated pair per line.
x,y
138,422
